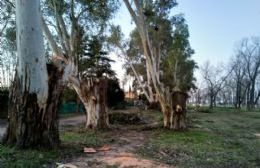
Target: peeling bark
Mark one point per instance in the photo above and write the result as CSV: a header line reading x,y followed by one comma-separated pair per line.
x,y
93,94
179,110
152,60
31,126
96,104
34,95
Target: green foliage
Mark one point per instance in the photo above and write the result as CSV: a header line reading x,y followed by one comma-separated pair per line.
x,y
87,138
92,15
178,65
10,38
125,118
116,37
61,6
79,136
100,11
94,61
169,37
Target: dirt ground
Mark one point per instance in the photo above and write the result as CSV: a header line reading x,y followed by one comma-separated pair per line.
x,y
120,154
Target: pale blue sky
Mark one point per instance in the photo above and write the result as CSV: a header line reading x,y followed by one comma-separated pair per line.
x,y
215,26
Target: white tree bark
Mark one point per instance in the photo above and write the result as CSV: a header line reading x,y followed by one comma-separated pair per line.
x,y
152,58
34,95
68,39
31,70
147,92
149,85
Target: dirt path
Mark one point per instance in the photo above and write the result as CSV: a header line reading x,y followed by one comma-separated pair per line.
x,y
121,154
72,121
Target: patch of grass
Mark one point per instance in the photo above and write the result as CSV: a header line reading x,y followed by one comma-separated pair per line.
x,y
152,116
219,139
72,143
87,138
126,118
12,158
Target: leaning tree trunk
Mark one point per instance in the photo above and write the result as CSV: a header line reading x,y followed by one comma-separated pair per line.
x,y
34,97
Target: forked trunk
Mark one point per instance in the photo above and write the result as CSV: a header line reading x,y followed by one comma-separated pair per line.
x,y
95,105
93,95
152,59
30,125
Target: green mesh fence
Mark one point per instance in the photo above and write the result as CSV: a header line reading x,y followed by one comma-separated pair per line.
x,y
70,107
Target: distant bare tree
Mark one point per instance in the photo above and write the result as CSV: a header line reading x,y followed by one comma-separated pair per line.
x,y
214,76
249,50
239,79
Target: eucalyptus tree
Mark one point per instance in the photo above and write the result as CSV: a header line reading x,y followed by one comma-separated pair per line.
x,y
154,26
94,63
178,67
68,17
33,99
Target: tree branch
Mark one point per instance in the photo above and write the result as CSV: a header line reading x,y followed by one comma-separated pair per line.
x,y
47,33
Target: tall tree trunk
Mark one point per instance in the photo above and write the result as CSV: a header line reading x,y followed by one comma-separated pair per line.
x,y
93,95
96,108
211,100
239,96
153,103
214,100
252,96
34,99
